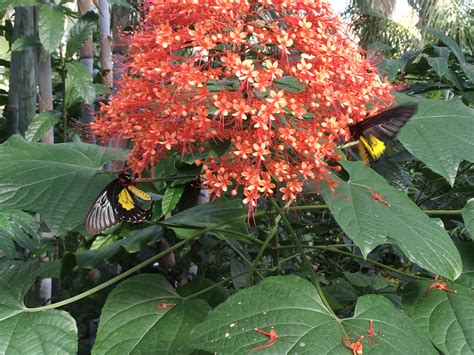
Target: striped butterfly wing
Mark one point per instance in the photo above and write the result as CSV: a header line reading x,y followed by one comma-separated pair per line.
x,y
102,214
128,207
385,125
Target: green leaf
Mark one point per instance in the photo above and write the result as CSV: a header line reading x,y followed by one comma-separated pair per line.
x,y
439,65
59,181
106,248
132,322
25,332
369,222
51,26
229,217
79,85
289,83
17,227
441,135
291,306
362,280
390,68
466,249
40,125
468,217
468,69
451,44
25,42
4,4
171,199
79,33
446,318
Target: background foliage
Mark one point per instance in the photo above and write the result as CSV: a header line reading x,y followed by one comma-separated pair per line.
x,y
200,278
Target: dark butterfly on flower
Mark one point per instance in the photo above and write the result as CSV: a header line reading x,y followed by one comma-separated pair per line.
x,y
119,201
374,132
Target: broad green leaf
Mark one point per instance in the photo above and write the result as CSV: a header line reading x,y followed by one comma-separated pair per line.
x,y
80,32
390,68
291,306
228,217
439,64
446,318
468,217
441,135
132,321
59,181
25,332
466,249
370,223
51,26
40,125
468,69
171,199
17,227
289,83
109,247
79,86
451,44
25,42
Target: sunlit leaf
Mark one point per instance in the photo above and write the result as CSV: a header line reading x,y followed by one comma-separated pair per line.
x,y
51,26
40,125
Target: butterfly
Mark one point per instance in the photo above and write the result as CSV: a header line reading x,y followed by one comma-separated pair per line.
x,y
119,201
374,132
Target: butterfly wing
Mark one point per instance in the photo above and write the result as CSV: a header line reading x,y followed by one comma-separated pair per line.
x,y
374,132
129,206
102,214
385,125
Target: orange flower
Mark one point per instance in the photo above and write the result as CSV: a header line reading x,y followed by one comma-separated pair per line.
x,y
282,92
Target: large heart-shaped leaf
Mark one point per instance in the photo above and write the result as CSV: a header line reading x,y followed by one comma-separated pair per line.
x,y
145,315
59,181
17,227
441,135
447,318
26,332
369,222
291,306
229,218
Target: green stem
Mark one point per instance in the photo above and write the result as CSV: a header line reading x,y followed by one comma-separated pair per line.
x,y
128,272
167,178
262,250
207,289
383,266
303,255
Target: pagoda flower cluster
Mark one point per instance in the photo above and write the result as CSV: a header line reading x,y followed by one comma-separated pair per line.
x,y
277,81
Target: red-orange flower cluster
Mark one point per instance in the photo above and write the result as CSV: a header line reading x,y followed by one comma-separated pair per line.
x,y
278,80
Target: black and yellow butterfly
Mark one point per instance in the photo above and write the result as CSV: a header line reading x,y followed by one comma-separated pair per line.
x,y
374,132
119,201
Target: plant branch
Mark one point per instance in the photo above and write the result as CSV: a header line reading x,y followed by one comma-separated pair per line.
x,y
303,256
